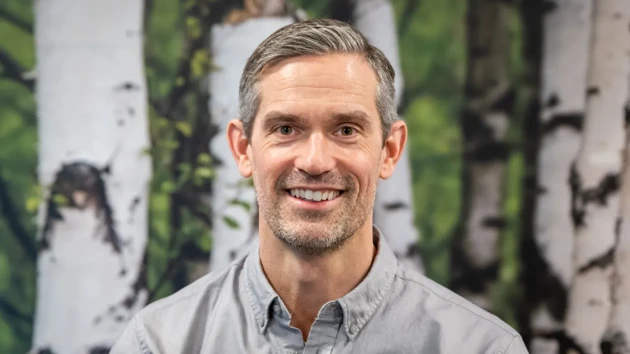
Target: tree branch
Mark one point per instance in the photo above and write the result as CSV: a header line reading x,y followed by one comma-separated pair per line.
x,y
16,21
13,220
12,311
13,70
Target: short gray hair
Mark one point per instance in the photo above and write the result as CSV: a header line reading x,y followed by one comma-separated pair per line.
x,y
316,37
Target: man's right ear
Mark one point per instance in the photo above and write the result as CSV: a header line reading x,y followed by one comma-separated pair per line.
x,y
239,144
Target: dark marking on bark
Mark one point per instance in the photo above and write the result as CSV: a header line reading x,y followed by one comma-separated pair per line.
x,y
467,277
594,302
492,151
563,120
618,224
232,255
617,15
548,6
139,285
593,90
618,343
505,102
577,204
119,318
552,101
603,261
494,222
134,204
395,206
127,86
97,320
480,143
540,190
564,341
412,250
80,185
121,122
607,186
131,111
99,350
626,114
45,350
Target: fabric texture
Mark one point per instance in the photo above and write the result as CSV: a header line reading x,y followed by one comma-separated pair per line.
x,y
393,310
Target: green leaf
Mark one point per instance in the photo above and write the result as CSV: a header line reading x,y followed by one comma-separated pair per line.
x,y
204,158
32,204
60,200
204,172
242,203
204,243
184,128
231,222
167,186
5,275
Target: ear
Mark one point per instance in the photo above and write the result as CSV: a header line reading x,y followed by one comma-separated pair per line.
x,y
239,144
393,148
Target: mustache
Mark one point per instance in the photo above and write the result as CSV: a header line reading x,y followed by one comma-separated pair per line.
x,y
329,178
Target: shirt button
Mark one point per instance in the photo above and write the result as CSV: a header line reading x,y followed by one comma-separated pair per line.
x,y
354,329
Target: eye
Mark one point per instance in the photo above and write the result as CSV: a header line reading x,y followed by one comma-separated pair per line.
x,y
346,131
285,130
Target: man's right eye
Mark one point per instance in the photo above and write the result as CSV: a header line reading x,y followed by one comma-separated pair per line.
x,y
285,130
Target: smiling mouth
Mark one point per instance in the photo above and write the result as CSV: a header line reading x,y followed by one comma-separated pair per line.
x,y
314,196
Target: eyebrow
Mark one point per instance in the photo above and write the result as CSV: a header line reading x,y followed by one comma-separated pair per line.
x,y
358,117
274,118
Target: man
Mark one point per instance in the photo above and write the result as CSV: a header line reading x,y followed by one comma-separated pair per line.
x,y
317,129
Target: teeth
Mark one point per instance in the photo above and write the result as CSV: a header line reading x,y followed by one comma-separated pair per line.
x,y
314,195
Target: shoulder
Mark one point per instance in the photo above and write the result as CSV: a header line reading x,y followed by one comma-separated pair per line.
x,y
455,318
194,301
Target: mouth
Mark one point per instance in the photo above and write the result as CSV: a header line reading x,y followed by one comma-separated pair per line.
x,y
317,196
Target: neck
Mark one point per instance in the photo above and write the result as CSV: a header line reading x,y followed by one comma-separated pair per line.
x,y
306,283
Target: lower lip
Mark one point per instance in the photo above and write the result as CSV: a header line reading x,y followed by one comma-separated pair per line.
x,y
312,205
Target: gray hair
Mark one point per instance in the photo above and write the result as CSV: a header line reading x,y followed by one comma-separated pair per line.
x,y
315,37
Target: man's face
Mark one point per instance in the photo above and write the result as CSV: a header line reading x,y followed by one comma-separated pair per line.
x,y
316,150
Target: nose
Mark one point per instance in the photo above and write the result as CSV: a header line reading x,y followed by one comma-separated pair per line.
x,y
315,156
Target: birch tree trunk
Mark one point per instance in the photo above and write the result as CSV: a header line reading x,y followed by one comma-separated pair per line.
x,y
234,218
485,120
566,41
393,207
93,134
619,326
595,178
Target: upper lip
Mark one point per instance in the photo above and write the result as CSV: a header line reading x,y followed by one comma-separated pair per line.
x,y
317,188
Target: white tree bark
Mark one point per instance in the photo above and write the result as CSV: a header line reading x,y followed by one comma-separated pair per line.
x,y
93,131
619,326
393,207
485,123
232,44
564,68
595,179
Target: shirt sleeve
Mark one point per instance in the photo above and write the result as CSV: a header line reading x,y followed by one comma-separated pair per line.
x,y
517,346
129,342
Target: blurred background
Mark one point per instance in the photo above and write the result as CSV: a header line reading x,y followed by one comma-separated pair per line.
x,y
116,188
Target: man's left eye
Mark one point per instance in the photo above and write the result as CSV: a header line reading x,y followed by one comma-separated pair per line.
x,y
346,131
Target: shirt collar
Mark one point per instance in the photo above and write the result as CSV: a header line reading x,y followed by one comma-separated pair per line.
x,y
357,306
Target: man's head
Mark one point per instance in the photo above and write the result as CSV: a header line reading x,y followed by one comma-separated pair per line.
x,y
317,119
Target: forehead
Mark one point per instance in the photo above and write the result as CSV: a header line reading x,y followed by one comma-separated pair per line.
x,y
325,84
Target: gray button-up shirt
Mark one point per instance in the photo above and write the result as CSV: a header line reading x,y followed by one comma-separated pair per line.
x,y
393,310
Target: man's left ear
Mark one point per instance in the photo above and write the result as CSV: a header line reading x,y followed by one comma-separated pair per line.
x,y
393,148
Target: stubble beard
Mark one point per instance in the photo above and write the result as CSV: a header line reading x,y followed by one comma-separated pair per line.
x,y
309,232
